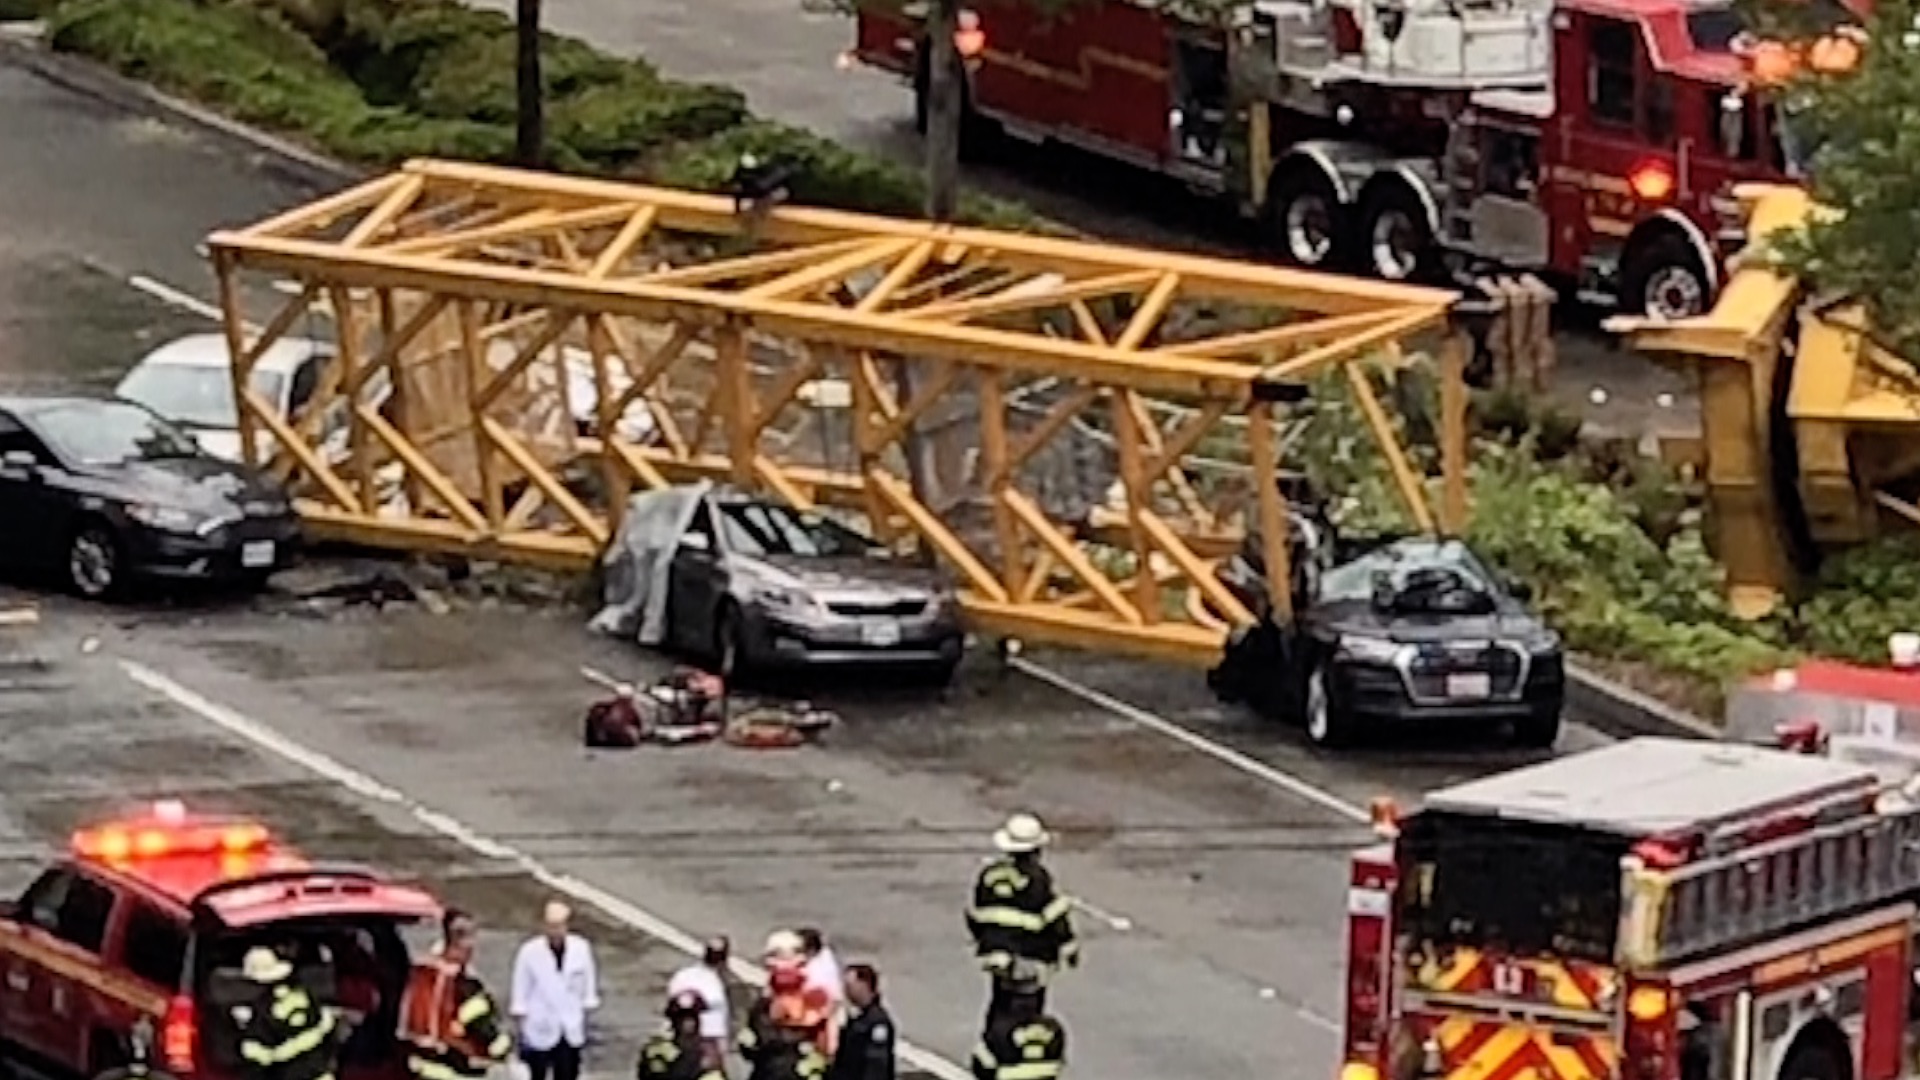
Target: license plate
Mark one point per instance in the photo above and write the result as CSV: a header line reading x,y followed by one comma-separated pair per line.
x,y
257,554
1471,685
881,634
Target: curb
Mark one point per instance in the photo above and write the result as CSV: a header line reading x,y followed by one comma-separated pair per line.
x,y
22,45
1612,707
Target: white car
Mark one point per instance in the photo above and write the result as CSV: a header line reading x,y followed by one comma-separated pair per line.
x,y
189,382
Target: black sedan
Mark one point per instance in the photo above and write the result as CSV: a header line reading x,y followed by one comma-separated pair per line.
x,y
758,585
1411,631
106,491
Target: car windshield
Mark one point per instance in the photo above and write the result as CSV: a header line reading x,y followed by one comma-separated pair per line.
x,y
195,395
1429,576
762,529
111,433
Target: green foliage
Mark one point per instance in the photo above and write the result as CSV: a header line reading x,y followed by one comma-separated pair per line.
x,y
22,10
1866,126
381,81
1861,597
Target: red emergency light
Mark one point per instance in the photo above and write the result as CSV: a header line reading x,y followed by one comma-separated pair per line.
x,y
168,831
1651,181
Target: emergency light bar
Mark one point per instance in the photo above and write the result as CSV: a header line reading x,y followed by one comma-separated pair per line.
x,y
168,831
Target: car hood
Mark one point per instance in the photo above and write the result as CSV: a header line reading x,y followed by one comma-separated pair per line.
x,y
849,575
1361,619
222,443
203,484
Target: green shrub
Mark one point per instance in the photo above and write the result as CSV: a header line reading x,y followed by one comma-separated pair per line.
x,y
612,124
1860,597
23,10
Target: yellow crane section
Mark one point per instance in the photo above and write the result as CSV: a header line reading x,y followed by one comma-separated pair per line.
x,y
1810,430
517,351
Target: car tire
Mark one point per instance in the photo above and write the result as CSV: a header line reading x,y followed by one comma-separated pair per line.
x,y
1537,732
1327,727
95,562
730,654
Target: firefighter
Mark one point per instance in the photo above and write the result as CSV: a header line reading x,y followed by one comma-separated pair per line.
x,y
451,1026
784,1028
284,1033
679,1052
1023,1043
1016,915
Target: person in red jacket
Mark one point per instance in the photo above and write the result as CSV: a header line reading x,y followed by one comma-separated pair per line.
x,y
451,1026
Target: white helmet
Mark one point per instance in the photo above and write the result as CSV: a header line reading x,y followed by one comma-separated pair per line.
x,y
785,945
1022,833
263,965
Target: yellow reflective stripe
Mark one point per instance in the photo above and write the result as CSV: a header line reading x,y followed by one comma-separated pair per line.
x,y
476,1007
286,1002
433,1070
1029,1070
985,1057
500,1045
749,1037
256,1052
307,1041
1056,910
1012,918
1069,950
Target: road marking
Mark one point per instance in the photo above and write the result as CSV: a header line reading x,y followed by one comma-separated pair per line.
x,y
614,907
1193,740
1324,1023
173,297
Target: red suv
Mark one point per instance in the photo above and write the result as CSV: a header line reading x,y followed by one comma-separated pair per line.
x,y
129,948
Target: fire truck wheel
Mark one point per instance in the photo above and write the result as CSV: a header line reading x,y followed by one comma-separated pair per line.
x,y
1398,242
1815,1059
1305,218
1663,279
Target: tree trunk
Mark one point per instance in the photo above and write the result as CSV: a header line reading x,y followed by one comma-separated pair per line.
x,y
943,198
530,132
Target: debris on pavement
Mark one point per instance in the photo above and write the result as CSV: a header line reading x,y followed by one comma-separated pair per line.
x,y
692,706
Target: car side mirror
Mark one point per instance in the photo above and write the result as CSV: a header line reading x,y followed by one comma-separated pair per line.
x,y
694,541
21,461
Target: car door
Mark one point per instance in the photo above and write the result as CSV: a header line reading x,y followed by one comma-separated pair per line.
x,y
63,925
695,583
30,520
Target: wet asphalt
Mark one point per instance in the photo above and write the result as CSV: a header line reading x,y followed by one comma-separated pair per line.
x,y
1229,887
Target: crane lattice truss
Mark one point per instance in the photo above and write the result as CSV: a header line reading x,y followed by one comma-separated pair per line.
x,y
518,351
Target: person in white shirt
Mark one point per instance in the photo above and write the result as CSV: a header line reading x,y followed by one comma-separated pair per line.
x,y
555,988
822,971
708,980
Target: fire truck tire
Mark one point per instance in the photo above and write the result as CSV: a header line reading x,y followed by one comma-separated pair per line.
x,y
1663,279
1816,1058
1306,222
1395,237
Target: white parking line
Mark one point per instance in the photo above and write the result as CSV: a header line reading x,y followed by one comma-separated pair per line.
x,y
173,297
614,907
1193,740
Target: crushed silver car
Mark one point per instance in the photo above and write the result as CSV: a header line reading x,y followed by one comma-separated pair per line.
x,y
752,585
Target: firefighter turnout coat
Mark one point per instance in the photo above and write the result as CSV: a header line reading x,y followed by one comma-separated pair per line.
x,y
1033,1049
287,1035
1017,915
775,1054
667,1056
451,1026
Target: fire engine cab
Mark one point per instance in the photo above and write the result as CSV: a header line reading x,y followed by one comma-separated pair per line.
x,y
1659,909
1591,141
128,948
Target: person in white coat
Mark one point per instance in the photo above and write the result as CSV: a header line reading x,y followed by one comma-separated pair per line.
x,y
555,989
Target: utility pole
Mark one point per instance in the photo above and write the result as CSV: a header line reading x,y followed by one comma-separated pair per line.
x,y
943,200
530,135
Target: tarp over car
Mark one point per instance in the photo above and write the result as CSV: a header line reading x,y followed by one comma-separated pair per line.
x,y
640,560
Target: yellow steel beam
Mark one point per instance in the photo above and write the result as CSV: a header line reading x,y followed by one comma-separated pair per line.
x,y
492,285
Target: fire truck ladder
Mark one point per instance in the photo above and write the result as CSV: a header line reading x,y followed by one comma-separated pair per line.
x,y
1849,859
518,351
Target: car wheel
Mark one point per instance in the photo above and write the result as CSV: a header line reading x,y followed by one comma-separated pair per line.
x,y
729,644
1537,732
94,562
1326,727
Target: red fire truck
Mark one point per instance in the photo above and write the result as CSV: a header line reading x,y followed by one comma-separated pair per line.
x,y
1659,909
1587,140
